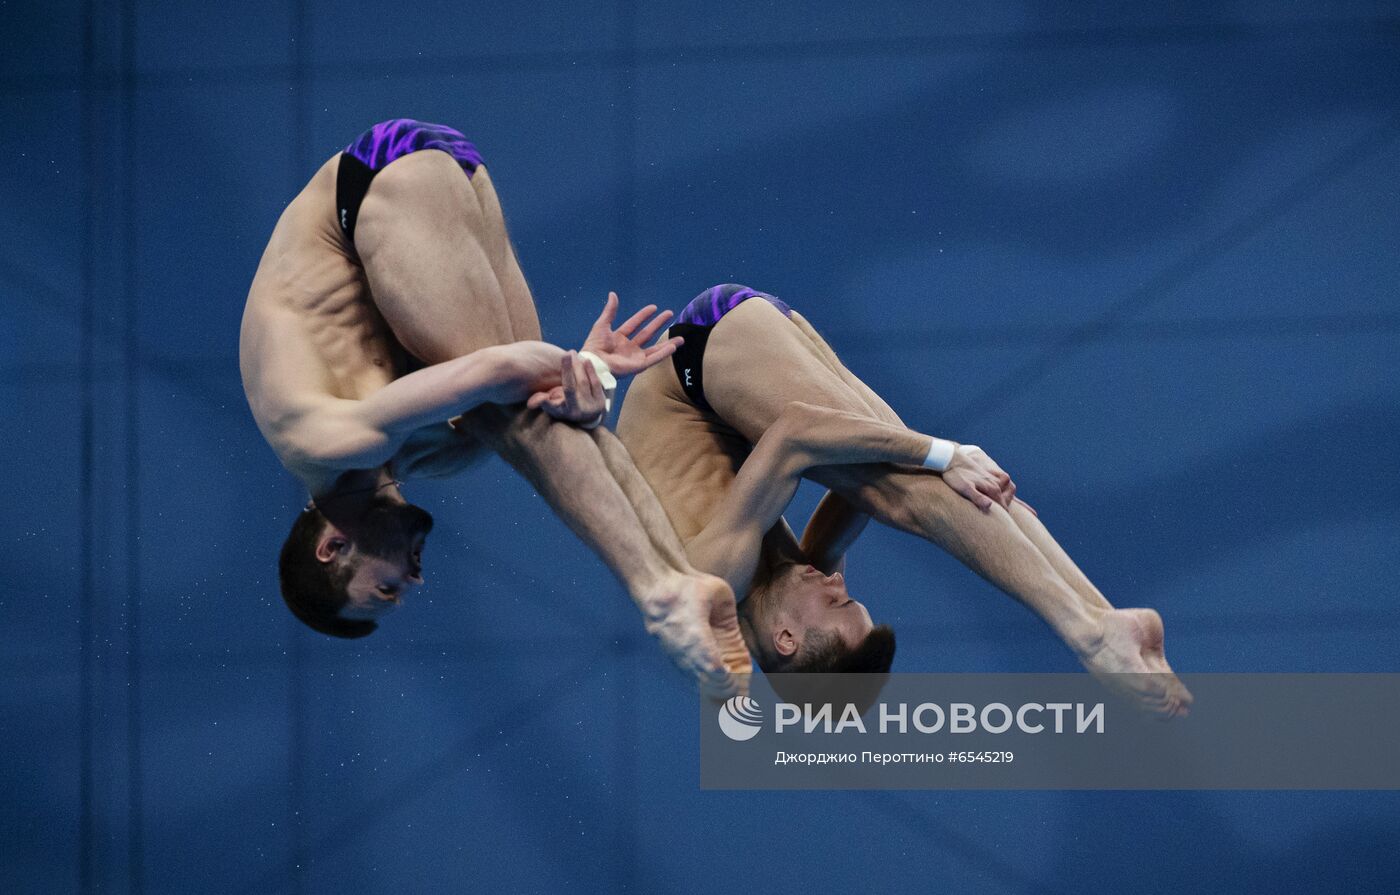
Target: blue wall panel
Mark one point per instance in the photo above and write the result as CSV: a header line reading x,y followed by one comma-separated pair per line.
x,y
1145,257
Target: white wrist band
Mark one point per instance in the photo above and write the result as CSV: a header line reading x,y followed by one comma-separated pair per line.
x,y
940,454
605,376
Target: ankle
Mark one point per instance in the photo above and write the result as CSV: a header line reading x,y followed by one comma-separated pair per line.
x,y
1083,631
654,585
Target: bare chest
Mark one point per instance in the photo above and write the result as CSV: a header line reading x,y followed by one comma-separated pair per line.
x,y
689,458
311,325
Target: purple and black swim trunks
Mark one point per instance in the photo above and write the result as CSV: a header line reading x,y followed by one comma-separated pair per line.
x,y
384,143
694,324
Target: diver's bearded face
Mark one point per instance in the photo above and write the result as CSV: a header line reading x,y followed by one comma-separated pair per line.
x,y
814,600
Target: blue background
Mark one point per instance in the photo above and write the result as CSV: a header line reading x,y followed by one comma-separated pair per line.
x,y
1148,261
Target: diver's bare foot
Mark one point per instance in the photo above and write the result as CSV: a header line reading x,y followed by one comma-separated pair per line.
x,y
695,618
1126,656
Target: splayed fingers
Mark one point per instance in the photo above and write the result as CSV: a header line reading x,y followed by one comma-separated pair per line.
x,y
624,349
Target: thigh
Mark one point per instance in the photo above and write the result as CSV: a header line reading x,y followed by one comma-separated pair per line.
x,y
878,408
520,304
422,238
757,361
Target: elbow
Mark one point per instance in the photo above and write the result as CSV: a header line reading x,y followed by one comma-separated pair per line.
x,y
794,430
783,446
794,422
798,413
343,446
360,453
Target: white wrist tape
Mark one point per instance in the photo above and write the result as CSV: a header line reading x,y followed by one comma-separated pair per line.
x,y
940,454
605,376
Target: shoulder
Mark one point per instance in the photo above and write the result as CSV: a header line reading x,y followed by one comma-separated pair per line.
x,y
318,438
332,433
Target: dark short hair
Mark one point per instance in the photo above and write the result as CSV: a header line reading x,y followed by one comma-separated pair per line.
x,y
823,669
823,652
820,650
314,590
826,672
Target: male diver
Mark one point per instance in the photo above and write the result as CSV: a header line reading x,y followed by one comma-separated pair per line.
x,y
754,400
389,301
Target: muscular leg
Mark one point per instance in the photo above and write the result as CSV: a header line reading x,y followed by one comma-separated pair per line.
x,y
791,369
642,498
993,544
1025,520
878,408
549,455
1031,526
724,617
989,543
490,268
421,238
520,305
693,615
1121,646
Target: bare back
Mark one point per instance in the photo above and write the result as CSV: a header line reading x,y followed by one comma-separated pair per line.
x,y
310,330
313,331
688,456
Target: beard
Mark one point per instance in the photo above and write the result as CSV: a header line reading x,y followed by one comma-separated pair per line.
x,y
388,528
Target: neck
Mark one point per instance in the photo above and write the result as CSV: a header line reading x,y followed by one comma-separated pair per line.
x,y
775,555
353,492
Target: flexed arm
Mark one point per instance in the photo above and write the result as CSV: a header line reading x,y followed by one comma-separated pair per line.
x,y
349,434
831,530
802,437
411,413
836,524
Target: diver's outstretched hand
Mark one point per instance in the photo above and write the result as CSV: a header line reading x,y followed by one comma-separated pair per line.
x,y
624,349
